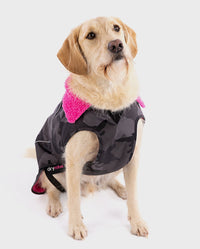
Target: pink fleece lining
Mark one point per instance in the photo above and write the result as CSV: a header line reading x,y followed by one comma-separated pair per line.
x,y
37,188
75,107
72,105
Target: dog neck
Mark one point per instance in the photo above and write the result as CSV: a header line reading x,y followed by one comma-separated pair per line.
x,y
105,94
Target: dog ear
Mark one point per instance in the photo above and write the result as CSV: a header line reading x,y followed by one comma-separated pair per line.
x,y
130,38
71,56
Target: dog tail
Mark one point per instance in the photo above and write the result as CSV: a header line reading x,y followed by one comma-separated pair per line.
x,y
30,153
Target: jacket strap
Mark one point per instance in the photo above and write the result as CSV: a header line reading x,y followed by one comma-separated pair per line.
x,y
50,171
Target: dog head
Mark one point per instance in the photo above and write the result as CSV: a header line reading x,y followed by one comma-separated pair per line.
x,y
99,46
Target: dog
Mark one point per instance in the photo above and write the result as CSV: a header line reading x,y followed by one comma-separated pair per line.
x,y
95,127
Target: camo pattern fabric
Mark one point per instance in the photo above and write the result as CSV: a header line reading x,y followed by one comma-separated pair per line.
x,y
116,132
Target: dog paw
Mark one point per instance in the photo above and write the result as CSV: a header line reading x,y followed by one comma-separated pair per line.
x,y
77,230
54,208
138,227
119,189
121,192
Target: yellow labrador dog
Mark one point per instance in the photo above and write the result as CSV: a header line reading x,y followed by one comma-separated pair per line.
x,y
99,55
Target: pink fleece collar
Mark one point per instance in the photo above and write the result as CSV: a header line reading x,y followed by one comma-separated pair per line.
x,y
140,101
74,107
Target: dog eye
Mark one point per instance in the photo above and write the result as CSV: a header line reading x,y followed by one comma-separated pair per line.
x,y
91,36
116,28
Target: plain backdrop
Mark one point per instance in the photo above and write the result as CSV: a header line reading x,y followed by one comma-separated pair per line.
x,y
32,84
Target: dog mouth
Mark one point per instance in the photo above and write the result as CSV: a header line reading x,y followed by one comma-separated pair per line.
x,y
118,57
110,65
115,58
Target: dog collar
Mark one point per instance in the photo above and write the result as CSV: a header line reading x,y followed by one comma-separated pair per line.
x,y
74,107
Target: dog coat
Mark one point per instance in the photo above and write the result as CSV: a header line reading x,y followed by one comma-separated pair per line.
x,y
116,132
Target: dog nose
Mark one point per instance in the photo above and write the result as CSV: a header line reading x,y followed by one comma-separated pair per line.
x,y
115,46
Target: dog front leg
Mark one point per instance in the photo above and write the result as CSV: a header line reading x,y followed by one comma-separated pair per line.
x,y
82,147
138,226
76,227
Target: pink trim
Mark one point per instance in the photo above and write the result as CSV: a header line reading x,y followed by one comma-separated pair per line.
x,y
140,101
37,188
72,105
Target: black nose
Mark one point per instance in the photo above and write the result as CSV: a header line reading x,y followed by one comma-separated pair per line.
x,y
115,46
